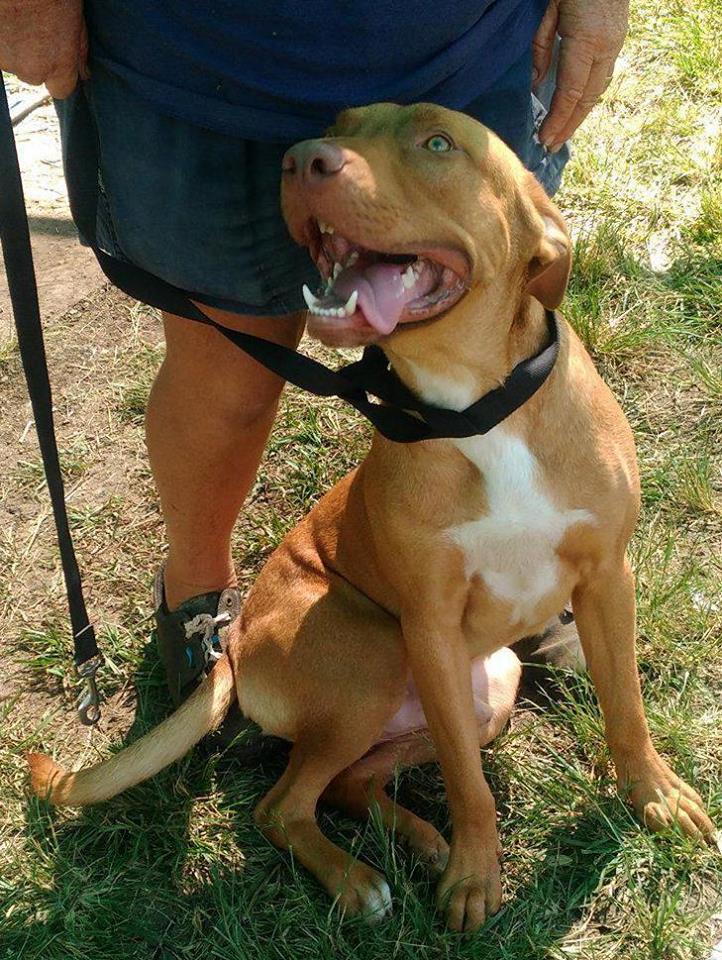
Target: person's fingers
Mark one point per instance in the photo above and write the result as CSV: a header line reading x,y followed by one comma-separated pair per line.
x,y
70,64
576,58
27,73
599,79
62,82
543,43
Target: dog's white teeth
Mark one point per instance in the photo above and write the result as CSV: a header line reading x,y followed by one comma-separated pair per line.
x,y
325,227
313,304
353,257
408,277
336,270
349,307
311,301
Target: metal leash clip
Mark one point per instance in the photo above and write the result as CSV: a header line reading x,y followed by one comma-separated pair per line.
x,y
89,702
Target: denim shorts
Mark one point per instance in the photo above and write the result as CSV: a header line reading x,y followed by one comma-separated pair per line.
x,y
200,209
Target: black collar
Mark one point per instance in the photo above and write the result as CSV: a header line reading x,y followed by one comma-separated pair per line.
x,y
402,416
373,374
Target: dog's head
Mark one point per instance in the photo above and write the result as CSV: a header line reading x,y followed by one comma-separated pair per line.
x,y
407,210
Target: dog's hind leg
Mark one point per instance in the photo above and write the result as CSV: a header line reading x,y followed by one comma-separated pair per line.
x,y
360,789
334,670
287,816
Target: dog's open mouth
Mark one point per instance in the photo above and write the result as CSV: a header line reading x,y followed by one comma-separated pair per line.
x,y
371,288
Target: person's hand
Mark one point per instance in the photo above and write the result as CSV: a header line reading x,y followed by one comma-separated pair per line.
x,y
44,41
592,33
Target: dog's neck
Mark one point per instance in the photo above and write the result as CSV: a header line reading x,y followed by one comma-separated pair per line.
x,y
455,361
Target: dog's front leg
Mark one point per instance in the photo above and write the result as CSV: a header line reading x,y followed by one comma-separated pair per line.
x,y
470,888
604,609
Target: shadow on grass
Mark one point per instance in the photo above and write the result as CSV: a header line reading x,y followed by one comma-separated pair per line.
x,y
176,869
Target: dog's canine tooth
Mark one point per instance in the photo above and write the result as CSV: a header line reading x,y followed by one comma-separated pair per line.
x,y
349,307
352,258
408,277
311,301
336,270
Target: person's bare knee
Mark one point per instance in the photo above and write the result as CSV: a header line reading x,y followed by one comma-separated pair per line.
x,y
202,365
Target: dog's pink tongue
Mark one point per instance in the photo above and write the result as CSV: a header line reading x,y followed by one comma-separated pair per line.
x,y
382,294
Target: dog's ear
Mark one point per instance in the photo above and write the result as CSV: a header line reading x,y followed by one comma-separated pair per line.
x,y
550,266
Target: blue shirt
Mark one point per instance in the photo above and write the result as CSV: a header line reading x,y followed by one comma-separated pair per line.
x,y
280,70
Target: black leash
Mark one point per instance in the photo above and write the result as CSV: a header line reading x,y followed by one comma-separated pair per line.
x,y
400,416
403,418
15,238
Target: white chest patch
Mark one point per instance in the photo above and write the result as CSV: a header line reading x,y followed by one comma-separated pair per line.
x,y
513,546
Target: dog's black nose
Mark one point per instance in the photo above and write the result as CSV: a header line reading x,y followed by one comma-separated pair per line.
x,y
314,161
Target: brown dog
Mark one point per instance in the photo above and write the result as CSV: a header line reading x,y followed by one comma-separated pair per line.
x,y
432,558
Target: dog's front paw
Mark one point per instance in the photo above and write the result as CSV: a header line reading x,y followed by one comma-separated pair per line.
x,y
661,800
470,889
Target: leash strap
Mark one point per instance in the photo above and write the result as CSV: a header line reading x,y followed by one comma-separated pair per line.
x,y
17,253
403,417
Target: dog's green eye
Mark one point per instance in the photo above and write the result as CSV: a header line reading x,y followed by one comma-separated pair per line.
x,y
439,144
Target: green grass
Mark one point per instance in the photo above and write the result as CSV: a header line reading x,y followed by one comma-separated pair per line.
x,y
175,868
696,40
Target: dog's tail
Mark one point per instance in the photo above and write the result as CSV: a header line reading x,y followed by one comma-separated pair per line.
x,y
202,712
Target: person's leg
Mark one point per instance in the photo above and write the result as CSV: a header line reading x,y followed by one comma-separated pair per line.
x,y
209,414
199,210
